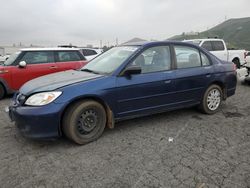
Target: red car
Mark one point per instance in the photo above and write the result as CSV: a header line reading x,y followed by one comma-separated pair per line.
x,y
28,64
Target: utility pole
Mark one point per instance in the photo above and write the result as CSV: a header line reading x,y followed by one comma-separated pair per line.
x,y
100,43
116,41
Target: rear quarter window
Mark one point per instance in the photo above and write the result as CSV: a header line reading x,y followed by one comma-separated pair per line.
x,y
205,60
87,52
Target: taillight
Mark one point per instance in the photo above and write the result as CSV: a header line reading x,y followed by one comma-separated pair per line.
x,y
245,55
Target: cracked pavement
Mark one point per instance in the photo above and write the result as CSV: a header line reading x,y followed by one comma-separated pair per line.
x,y
183,148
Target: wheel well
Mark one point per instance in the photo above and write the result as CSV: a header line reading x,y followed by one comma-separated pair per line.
x,y
236,59
223,88
5,91
109,113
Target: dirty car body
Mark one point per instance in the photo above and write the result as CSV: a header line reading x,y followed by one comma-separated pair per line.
x,y
179,82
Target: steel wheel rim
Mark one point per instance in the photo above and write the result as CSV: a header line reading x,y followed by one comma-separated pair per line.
x,y
87,121
213,99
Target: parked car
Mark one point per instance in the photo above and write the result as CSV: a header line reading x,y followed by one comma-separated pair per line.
x,y
247,58
125,82
90,53
3,58
219,49
28,64
243,72
246,77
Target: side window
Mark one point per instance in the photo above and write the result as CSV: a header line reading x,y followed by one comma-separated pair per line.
x,y
207,45
187,57
218,46
68,56
33,57
154,59
87,52
205,60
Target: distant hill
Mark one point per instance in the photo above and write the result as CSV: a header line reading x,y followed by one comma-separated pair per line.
x,y
236,33
135,40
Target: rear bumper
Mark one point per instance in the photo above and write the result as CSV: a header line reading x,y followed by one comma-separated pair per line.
x,y
231,92
37,122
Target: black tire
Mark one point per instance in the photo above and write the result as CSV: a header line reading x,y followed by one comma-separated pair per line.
x,y
208,107
237,63
84,121
2,91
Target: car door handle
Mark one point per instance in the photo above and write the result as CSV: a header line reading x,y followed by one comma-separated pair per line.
x,y
167,81
53,67
208,75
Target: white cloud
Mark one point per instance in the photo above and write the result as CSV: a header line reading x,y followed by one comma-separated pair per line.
x,y
88,21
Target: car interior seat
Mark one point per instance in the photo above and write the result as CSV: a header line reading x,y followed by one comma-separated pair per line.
x,y
161,59
194,60
140,61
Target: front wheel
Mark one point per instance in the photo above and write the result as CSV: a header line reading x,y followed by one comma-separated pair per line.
x,y
84,121
211,100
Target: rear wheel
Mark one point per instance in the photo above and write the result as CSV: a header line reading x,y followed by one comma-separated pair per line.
x,y
2,91
84,121
211,100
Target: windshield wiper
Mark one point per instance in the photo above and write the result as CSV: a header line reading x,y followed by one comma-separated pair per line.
x,y
91,71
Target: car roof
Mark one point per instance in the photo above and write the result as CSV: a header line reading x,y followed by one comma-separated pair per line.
x,y
49,49
88,48
95,49
152,43
208,39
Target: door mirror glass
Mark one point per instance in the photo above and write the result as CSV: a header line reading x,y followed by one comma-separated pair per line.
x,y
132,70
22,64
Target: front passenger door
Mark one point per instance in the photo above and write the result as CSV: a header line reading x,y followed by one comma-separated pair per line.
x,y
38,63
152,89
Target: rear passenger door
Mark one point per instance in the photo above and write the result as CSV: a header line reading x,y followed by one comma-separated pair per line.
x,y
193,74
66,60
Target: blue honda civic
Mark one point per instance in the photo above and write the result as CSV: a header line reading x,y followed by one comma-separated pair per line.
x,y
125,82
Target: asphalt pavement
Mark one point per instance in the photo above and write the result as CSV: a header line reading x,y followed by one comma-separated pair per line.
x,y
183,148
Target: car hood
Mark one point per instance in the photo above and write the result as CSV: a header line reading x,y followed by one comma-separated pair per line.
x,y
56,80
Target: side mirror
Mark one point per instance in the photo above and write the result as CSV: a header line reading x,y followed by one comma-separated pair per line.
x,y
22,64
132,70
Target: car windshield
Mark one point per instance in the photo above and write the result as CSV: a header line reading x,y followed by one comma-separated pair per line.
x,y
11,59
109,61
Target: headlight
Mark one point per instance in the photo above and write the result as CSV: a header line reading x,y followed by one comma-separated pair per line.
x,y
41,99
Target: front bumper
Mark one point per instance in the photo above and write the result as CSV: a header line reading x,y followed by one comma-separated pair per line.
x,y
37,122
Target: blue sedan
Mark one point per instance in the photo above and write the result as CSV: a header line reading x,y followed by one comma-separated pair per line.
x,y
125,82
